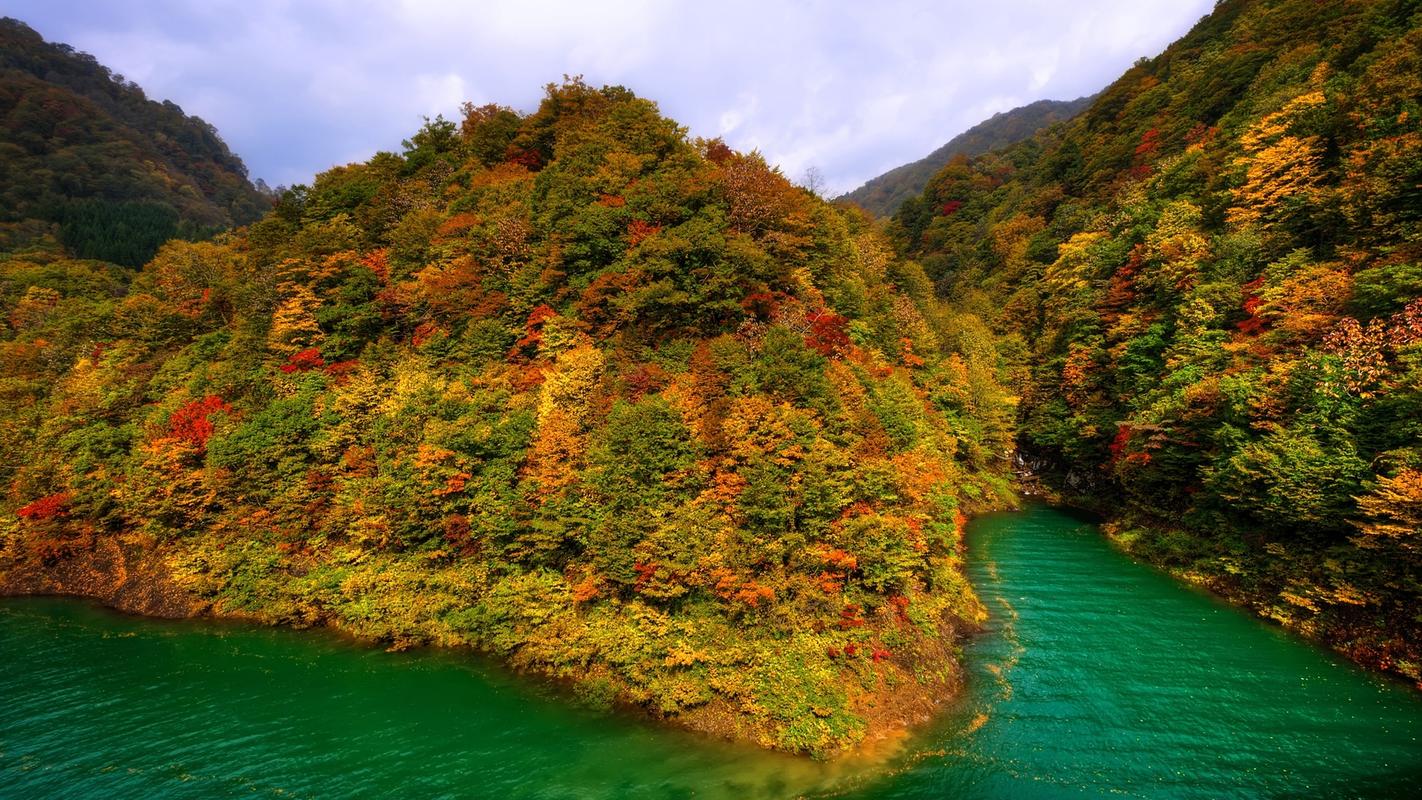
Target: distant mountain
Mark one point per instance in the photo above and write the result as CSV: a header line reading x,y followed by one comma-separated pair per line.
x,y
84,149
1210,285
881,196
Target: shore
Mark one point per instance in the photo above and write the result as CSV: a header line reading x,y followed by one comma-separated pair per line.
x,y
907,697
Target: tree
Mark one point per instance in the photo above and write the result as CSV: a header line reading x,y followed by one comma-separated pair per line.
x,y
1291,478
294,326
488,131
813,181
1393,509
1283,166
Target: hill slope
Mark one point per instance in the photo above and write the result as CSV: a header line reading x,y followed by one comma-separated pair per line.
x,y
1210,281
883,195
623,408
117,172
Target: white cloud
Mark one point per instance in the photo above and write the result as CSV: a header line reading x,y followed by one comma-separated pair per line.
x,y
440,93
851,88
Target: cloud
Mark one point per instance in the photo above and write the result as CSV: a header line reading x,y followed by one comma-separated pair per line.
x,y
850,88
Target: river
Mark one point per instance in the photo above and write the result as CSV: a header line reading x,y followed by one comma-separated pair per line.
x,y
1096,677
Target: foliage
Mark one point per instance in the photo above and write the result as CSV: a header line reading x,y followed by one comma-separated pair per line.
x,y
1216,267
623,407
115,173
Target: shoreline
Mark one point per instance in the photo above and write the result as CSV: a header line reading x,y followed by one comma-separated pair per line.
x,y
142,588
1117,530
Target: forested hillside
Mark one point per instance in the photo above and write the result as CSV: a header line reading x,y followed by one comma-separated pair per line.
x,y
628,409
85,154
1209,285
883,195
622,407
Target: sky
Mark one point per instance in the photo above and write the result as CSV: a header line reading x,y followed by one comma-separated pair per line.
x,y
851,89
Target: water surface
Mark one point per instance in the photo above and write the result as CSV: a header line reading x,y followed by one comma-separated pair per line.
x,y
1101,677
1097,677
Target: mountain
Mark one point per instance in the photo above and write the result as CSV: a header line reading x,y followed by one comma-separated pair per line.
x,y
620,407
883,195
86,151
630,410
1209,286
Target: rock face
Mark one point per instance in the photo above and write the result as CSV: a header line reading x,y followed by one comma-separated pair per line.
x,y
112,575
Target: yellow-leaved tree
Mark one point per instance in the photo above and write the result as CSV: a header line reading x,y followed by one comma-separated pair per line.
x,y
1393,510
1283,165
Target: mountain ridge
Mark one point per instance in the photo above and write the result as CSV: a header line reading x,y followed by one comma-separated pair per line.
x,y
1208,286
116,172
882,195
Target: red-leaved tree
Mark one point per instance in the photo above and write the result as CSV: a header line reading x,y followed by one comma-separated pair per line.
x,y
193,424
829,333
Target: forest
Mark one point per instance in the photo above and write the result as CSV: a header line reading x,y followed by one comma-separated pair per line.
x,y
1209,290
882,195
628,409
624,407
87,158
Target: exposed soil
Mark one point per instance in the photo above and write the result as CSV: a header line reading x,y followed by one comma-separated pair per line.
x,y
113,575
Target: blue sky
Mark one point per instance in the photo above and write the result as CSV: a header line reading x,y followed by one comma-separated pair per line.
x,y
850,88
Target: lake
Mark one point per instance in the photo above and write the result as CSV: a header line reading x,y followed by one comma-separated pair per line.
x,y
1096,677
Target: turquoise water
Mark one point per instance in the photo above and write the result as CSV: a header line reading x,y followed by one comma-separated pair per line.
x,y
1100,677
1097,677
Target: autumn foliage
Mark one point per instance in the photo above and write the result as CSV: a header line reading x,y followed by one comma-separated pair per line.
x,y
304,361
1211,280
617,405
45,508
193,422
829,333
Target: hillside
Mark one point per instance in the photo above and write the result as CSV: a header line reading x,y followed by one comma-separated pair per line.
x,y
87,153
620,407
1209,285
883,195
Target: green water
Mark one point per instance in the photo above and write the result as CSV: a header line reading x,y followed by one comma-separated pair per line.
x,y
1097,678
